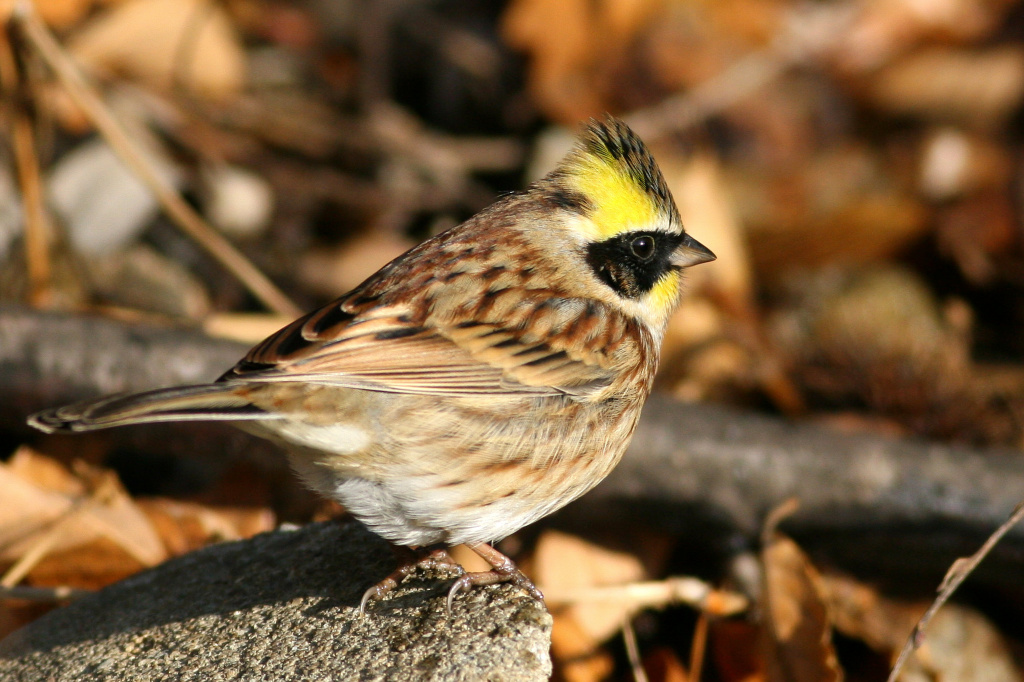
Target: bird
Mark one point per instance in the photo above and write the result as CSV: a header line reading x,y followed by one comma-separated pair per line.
x,y
480,381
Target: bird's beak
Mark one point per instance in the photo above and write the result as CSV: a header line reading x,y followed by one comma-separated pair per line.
x,y
691,252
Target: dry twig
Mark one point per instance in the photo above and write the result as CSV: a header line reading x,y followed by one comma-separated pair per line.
x,y
656,594
699,647
957,573
38,229
633,652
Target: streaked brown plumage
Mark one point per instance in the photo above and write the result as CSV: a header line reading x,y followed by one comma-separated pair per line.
x,y
480,381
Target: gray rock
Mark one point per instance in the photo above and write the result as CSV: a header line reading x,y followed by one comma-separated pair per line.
x,y
103,203
284,606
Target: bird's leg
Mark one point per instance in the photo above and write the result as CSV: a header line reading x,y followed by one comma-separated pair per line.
x,y
505,571
408,561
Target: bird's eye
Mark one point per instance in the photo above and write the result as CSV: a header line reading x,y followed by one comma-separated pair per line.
x,y
642,247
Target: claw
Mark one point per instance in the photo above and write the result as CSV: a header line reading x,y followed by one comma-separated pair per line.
x,y
436,558
461,583
383,587
505,571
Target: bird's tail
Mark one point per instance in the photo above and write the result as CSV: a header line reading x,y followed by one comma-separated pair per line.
x,y
207,402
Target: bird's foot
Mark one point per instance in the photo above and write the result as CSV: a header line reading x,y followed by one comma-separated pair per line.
x,y
408,564
504,571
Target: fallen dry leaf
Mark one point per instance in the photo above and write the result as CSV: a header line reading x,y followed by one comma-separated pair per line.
x,y
165,43
735,652
562,561
696,183
16,613
662,665
62,14
954,162
965,646
572,69
43,472
797,634
886,29
576,656
976,231
961,644
186,526
842,206
714,341
961,85
90,566
31,513
698,186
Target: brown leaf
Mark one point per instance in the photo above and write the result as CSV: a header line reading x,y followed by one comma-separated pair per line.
x,y
562,561
797,637
572,69
886,29
696,183
166,42
714,340
577,656
88,566
960,645
699,188
975,231
185,526
844,205
43,472
65,518
62,14
734,650
16,613
965,646
662,665
961,85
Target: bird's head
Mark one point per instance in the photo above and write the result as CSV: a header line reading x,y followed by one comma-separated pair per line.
x,y
622,217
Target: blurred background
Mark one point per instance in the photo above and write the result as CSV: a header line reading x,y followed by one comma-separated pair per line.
x,y
856,165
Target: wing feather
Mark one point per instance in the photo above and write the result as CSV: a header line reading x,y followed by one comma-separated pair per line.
x,y
384,347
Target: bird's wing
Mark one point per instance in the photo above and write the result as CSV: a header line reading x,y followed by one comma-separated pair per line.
x,y
384,349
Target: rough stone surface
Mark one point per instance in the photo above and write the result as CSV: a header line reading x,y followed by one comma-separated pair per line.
x,y
284,606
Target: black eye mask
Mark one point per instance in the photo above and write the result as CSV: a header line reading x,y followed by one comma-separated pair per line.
x,y
632,263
